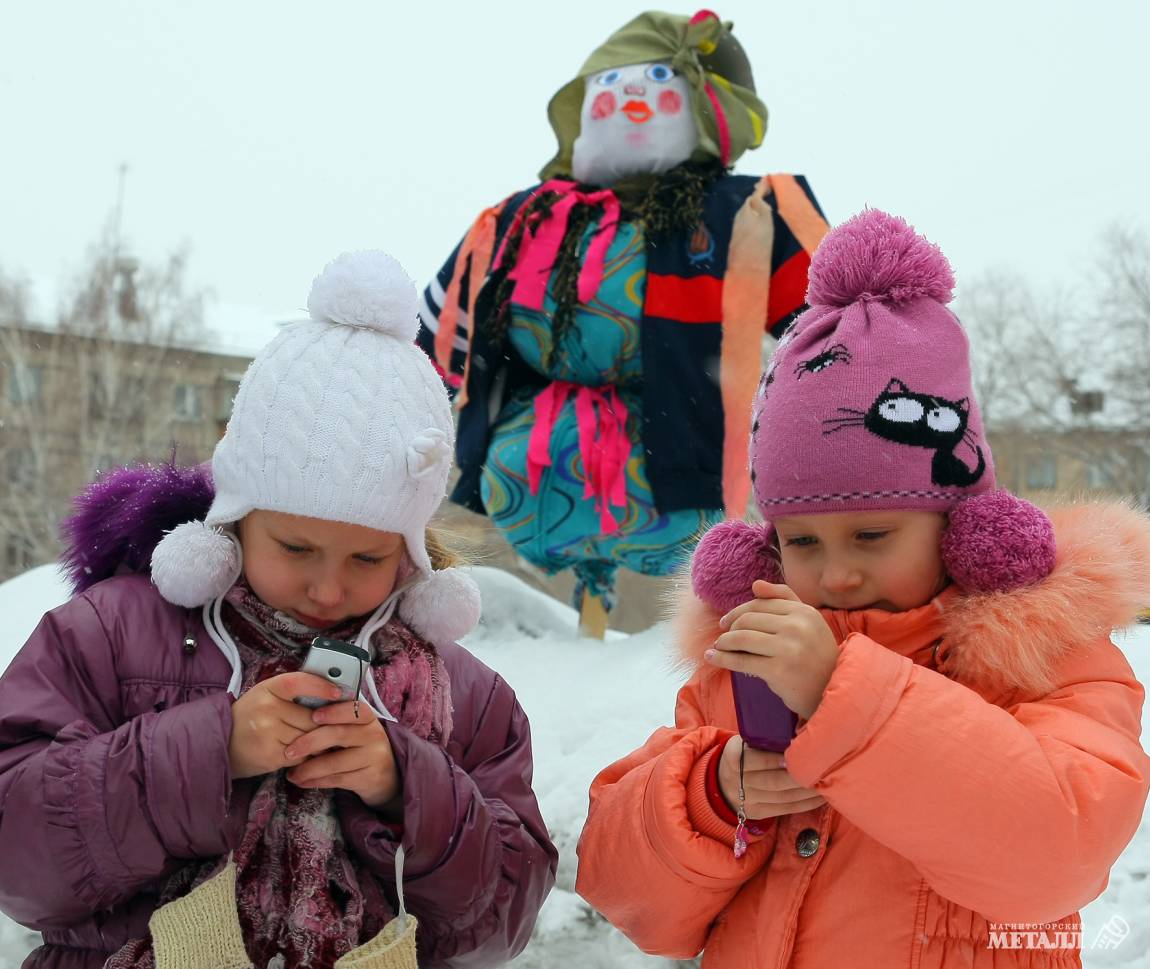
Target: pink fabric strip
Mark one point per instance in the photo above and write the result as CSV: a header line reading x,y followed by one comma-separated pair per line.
x,y
538,252
603,444
721,121
537,255
548,402
591,272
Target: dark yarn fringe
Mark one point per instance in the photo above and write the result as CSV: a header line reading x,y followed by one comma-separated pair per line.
x,y
661,205
673,202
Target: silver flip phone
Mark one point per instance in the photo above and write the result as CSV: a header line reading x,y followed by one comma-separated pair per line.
x,y
343,664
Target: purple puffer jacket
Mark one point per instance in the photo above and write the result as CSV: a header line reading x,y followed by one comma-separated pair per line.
x,y
114,772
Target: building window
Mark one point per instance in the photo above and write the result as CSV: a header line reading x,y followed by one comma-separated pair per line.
x,y
1100,473
226,390
188,402
19,555
97,397
25,384
132,401
1041,472
22,467
105,462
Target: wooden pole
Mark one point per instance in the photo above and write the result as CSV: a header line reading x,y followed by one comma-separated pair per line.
x,y
592,616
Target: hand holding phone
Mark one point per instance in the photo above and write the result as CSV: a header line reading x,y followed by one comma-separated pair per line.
x,y
781,654
266,721
769,789
341,664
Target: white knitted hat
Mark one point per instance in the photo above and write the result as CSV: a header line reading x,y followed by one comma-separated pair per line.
x,y
341,417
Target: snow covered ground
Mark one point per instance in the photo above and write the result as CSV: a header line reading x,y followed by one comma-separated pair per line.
x,y
590,703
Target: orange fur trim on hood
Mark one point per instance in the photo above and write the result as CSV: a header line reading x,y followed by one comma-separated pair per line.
x,y
1013,640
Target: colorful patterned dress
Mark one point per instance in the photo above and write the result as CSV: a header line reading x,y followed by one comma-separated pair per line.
x,y
558,527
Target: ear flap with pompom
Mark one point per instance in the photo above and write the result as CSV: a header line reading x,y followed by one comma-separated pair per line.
x,y
728,560
997,542
443,607
195,563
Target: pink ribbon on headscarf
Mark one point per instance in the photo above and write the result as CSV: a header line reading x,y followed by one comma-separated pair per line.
x,y
603,443
538,252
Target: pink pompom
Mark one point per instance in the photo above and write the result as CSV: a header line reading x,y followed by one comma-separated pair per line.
x,y
997,542
728,560
877,256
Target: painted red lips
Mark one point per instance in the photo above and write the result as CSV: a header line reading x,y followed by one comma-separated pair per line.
x,y
638,111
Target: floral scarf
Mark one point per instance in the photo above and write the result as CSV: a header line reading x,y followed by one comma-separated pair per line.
x,y
303,898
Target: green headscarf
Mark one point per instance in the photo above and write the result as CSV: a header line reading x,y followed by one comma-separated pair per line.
x,y
703,50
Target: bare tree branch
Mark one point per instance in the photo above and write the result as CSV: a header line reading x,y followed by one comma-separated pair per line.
x,y
102,383
1072,371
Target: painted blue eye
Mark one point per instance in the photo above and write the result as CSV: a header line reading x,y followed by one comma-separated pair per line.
x,y
660,73
611,77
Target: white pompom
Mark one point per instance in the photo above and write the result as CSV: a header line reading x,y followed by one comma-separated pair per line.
x,y
369,289
442,608
194,564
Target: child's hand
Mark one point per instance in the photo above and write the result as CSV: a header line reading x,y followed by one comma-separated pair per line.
x,y
350,754
769,790
265,722
781,640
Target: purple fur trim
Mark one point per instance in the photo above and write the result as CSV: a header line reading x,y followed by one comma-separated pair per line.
x,y
121,516
876,256
997,543
729,558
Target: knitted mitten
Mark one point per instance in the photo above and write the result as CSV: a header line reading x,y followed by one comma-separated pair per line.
x,y
202,929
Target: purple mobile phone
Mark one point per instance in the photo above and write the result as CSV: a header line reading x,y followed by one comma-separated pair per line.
x,y
765,722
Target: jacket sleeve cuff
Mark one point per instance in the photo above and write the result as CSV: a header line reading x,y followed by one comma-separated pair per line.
x,y
429,778
862,693
709,812
700,812
715,790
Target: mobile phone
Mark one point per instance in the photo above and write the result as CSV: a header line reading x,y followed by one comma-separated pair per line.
x,y
343,664
765,722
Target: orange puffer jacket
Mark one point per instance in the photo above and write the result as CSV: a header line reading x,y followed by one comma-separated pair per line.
x,y
994,780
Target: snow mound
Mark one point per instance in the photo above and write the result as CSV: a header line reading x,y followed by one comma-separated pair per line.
x,y
23,601
590,703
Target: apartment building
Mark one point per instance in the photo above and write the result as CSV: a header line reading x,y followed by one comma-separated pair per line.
x,y
72,405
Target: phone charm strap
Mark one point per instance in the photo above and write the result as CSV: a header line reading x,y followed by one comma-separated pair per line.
x,y
741,827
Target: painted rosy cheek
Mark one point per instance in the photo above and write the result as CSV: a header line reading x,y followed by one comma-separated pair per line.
x,y
670,102
603,106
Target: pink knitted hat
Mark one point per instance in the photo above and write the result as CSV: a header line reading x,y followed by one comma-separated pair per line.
x,y
867,402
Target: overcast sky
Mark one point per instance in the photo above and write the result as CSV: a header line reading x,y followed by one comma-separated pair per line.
x,y
270,136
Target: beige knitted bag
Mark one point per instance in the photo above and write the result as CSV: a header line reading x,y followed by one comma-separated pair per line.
x,y
202,931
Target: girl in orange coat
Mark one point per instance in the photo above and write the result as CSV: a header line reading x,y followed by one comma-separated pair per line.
x,y
966,765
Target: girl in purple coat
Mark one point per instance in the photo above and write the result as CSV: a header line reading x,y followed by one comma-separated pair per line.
x,y
164,802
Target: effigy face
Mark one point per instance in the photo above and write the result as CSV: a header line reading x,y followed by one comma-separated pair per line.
x,y
636,120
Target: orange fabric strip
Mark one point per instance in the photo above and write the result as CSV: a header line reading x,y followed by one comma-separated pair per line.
x,y
798,212
746,295
449,313
481,255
